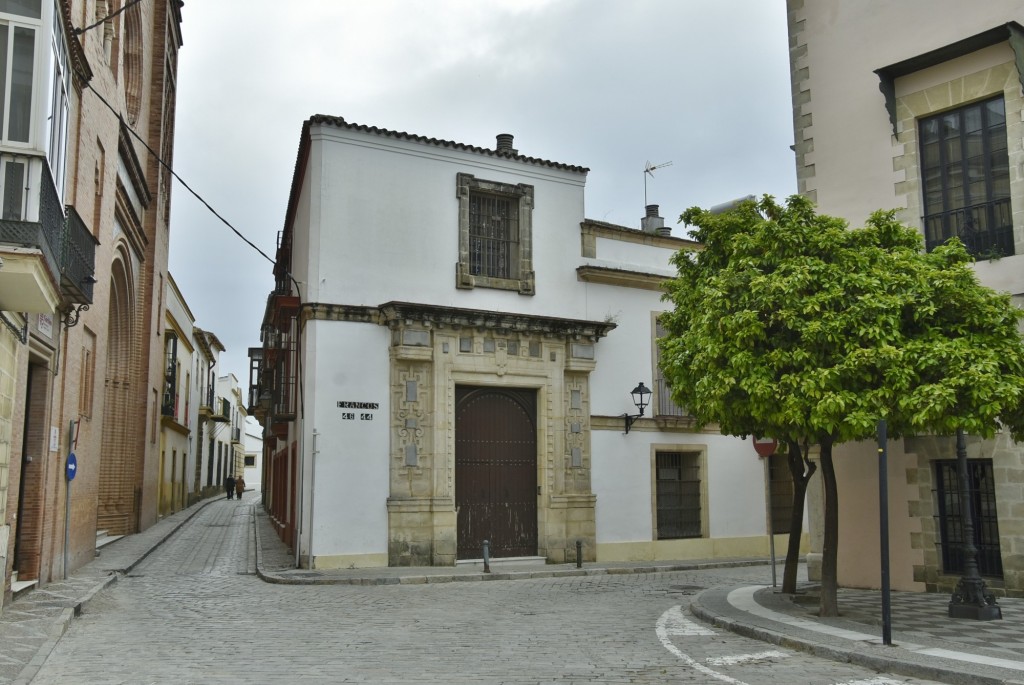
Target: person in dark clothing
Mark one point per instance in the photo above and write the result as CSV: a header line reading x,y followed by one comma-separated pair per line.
x,y
229,485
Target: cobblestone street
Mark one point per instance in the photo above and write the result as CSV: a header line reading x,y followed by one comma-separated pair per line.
x,y
195,612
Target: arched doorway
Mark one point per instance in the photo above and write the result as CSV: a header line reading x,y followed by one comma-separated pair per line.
x,y
118,506
496,471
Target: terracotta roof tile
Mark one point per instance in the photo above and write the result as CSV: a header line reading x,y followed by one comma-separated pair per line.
x,y
341,123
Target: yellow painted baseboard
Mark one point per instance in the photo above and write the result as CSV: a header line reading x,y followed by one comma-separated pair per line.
x,y
351,561
696,548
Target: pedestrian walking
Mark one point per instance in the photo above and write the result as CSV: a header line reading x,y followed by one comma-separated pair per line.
x,y
229,485
239,486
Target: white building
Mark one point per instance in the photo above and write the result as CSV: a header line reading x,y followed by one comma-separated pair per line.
x,y
229,437
179,407
252,442
208,476
448,356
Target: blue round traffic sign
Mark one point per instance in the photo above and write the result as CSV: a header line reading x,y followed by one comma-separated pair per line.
x,y
71,468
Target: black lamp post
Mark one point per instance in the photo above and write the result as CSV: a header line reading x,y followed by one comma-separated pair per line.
x,y
641,398
971,598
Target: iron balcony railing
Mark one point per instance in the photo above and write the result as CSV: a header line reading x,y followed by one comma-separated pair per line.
x,y
986,229
78,259
68,247
221,410
665,406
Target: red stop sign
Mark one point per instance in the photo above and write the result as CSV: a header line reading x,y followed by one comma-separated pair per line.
x,y
765,447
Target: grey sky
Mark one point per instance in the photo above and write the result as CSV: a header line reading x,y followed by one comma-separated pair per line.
x,y
605,84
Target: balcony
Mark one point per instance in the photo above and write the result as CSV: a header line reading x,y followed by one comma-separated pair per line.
x,y
78,259
236,436
220,410
986,229
48,258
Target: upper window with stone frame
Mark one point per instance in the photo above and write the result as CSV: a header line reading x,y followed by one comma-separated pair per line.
x,y
953,110
495,235
965,178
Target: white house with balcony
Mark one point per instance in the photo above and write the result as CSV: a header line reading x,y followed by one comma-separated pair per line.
x,y
448,358
179,409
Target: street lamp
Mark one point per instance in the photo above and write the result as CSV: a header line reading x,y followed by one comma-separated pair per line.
x,y
971,598
641,398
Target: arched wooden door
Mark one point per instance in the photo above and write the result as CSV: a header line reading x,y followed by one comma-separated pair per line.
x,y
496,471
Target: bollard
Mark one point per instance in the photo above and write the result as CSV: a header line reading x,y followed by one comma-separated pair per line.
x,y
579,554
487,556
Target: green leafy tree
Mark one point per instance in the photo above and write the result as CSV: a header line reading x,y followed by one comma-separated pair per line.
x,y
789,324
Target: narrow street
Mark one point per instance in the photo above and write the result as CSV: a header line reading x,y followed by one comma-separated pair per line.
x,y
195,612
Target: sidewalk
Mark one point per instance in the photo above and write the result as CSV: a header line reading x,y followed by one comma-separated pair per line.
x,y
927,644
31,626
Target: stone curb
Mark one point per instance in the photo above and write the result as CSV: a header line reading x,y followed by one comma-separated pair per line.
x,y
68,613
277,578
877,662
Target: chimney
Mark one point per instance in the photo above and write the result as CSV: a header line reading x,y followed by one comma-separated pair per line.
x,y
652,223
505,144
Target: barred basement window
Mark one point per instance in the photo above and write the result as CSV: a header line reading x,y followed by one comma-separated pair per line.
x,y
678,483
982,500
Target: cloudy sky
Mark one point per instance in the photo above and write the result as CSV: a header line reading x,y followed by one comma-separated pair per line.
x,y
606,84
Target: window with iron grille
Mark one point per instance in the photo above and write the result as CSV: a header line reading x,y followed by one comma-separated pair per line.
x,y
965,178
664,405
780,484
495,224
982,500
678,492
493,236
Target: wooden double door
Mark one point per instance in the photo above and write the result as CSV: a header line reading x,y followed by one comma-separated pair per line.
x,y
496,471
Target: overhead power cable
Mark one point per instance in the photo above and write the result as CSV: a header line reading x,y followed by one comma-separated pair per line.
x,y
187,187
90,27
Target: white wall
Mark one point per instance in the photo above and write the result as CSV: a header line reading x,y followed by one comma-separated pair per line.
x,y
401,209
349,362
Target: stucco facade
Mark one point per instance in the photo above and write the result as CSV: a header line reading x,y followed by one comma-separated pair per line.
x,y
872,81
389,331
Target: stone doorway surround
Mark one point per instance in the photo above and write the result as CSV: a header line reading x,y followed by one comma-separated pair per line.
x,y
435,348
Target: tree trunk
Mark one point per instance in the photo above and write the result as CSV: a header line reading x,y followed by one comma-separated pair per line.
x,y
801,469
829,554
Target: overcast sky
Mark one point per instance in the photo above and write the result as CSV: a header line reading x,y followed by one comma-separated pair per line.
x,y
605,84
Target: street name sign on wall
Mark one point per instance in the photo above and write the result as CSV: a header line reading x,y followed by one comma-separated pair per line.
x,y
366,413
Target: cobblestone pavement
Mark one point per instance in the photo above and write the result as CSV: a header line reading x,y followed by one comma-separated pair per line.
x,y
194,612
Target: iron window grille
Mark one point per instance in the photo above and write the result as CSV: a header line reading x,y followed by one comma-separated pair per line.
x,y
678,482
493,236
981,488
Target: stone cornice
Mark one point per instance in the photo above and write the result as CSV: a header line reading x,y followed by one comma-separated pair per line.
x,y
395,313
665,424
322,311
601,229
620,277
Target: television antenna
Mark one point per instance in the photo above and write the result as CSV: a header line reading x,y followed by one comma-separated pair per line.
x,y
649,171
